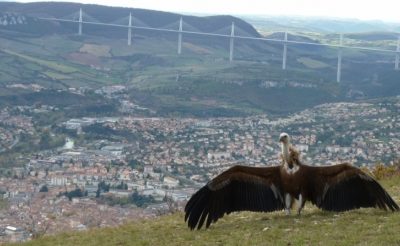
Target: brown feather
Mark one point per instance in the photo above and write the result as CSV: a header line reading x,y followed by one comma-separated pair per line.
x,y
294,157
335,188
237,189
344,187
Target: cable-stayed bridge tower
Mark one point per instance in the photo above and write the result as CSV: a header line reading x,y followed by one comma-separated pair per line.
x,y
231,42
235,33
80,22
339,60
130,30
284,51
180,36
396,63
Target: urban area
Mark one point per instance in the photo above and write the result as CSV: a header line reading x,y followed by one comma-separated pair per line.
x,y
103,171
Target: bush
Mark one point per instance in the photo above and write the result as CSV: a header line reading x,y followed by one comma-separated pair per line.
x,y
44,189
381,171
75,193
141,200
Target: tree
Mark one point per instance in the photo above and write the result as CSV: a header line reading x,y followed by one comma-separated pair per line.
x,y
75,193
172,206
141,200
44,189
134,164
102,187
122,186
45,140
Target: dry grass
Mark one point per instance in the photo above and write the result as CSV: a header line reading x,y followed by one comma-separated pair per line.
x,y
197,49
97,50
312,63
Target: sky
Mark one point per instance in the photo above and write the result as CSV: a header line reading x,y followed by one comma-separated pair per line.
x,y
386,10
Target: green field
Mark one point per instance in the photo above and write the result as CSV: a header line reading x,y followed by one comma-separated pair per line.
x,y
311,63
50,64
313,227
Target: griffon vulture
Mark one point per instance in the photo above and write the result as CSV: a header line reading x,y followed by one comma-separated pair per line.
x,y
333,188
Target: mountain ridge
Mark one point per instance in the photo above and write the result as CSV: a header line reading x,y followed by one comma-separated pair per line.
x,y
201,81
106,14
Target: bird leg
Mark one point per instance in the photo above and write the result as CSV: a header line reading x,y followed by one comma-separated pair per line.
x,y
300,204
288,203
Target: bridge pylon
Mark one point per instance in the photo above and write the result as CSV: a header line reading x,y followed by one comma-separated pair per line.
x,y
339,60
180,36
396,63
284,51
231,43
130,30
80,22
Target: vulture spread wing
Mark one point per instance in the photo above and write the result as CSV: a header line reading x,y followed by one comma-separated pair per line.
x,y
237,189
344,187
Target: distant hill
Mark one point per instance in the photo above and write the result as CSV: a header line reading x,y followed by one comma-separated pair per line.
x,y
324,25
374,36
199,82
119,15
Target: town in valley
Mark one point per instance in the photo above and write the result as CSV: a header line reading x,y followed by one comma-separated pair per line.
x,y
103,171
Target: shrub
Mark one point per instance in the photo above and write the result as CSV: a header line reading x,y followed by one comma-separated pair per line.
x,y
381,171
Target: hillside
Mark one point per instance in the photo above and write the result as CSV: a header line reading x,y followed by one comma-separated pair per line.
x,y
119,15
314,227
199,82
320,24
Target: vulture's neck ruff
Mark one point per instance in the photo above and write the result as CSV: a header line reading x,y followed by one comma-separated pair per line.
x,y
286,154
289,163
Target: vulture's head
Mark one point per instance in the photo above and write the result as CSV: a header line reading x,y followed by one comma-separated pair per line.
x,y
284,138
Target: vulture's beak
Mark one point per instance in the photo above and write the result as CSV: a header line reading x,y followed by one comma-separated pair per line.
x,y
283,138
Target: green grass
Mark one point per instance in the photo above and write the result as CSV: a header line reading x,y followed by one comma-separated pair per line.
x,y
313,227
50,64
311,63
97,50
56,76
18,66
54,44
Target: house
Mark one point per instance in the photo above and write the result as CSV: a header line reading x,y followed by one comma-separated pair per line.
x,y
170,181
15,234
